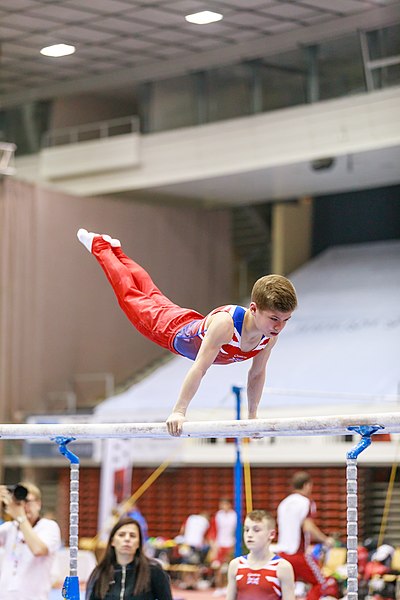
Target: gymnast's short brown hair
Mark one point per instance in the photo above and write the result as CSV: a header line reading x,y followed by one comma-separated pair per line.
x,y
274,292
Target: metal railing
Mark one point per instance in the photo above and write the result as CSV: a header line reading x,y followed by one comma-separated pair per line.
x,y
7,152
91,131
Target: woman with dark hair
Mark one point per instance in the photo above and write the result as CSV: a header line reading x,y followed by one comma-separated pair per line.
x,y
125,572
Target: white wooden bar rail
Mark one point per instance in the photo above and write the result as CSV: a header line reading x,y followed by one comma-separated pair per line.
x,y
296,426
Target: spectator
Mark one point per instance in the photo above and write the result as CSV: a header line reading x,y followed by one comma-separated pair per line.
x,y
223,534
296,528
30,544
125,571
193,536
134,513
380,562
194,532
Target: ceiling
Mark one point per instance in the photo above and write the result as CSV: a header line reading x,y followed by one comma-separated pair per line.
x,y
119,42
358,171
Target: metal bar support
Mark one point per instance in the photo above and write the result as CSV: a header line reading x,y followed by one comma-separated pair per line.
x,y
238,477
71,584
352,510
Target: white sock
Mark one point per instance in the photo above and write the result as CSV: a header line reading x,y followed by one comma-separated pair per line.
x,y
115,243
86,238
112,241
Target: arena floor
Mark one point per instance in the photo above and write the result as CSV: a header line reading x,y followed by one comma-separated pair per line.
x,y
177,595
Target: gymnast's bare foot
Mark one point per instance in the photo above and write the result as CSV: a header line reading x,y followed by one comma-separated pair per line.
x,y
86,238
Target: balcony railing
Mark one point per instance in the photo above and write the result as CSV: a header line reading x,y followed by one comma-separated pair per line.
x,y
91,131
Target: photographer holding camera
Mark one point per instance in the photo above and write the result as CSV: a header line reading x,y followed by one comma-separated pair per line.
x,y
30,543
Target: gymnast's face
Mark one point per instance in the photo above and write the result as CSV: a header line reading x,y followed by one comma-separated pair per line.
x,y
258,534
269,322
125,542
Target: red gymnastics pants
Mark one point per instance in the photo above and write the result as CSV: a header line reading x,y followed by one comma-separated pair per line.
x,y
306,569
153,315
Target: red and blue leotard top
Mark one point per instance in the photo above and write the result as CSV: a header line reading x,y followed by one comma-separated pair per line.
x,y
258,584
188,340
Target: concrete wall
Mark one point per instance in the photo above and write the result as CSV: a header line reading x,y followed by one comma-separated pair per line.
x,y
88,108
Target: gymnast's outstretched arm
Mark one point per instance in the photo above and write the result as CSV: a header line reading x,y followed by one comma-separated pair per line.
x,y
219,332
256,379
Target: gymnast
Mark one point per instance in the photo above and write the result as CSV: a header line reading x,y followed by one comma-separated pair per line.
x,y
261,573
227,334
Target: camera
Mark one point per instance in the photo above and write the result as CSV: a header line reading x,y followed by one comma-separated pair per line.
x,y
19,491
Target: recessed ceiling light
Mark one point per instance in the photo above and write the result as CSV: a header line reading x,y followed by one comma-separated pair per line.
x,y
58,50
204,17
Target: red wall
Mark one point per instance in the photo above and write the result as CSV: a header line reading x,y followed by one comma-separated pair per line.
x,y
181,491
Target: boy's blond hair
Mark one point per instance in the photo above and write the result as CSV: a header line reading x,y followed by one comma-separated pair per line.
x,y
261,515
274,292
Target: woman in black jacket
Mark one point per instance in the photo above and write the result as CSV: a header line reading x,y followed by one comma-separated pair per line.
x,y
125,572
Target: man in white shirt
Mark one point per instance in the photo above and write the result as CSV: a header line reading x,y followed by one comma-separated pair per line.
x,y
30,543
296,529
194,530
223,530
193,535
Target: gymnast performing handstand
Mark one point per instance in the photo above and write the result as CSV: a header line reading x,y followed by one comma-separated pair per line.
x,y
227,334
